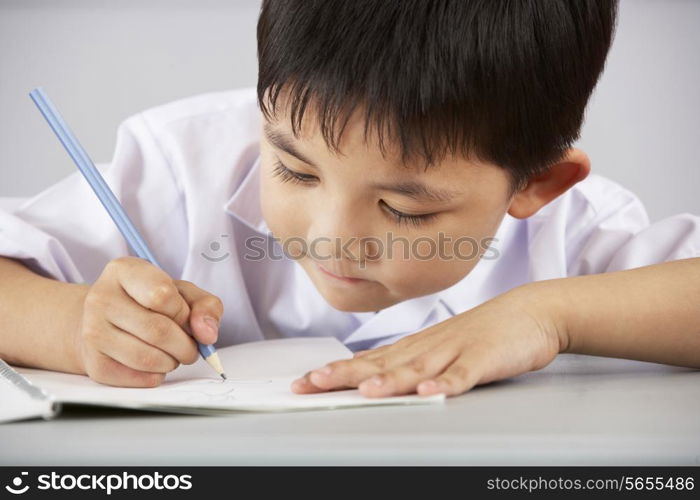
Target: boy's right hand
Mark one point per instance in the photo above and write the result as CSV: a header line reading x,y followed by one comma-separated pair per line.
x,y
134,322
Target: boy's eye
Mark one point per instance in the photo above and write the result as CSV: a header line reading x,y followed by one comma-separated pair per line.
x,y
415,219
286,174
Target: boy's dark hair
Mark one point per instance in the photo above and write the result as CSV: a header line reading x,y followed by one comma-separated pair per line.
x,y
504,80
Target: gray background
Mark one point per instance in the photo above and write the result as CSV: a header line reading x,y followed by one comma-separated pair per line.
x,y
101,61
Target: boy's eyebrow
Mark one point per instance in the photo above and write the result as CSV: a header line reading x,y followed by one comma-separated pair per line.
x,y
418,191
413,189
283,141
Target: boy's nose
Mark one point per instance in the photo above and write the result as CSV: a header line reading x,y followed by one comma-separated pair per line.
x,y
343,241
337,248
342,230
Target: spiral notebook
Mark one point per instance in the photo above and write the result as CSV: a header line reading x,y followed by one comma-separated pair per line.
x,y
259,378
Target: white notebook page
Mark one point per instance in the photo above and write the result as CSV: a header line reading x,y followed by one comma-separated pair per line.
x,y
259,379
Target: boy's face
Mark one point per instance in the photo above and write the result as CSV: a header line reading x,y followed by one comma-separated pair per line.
x,y
339,217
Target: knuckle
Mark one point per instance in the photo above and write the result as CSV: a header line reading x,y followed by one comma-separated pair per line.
x,y
218,304
459,373
183,314
214,303
119,262
379,362
210,305
184,284
341,367
457,380
159,295
417,365
148,361
157,329
350,372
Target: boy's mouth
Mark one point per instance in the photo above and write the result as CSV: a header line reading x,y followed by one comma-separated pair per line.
x,y
345,279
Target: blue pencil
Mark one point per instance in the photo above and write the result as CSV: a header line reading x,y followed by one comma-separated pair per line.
x,y
106,196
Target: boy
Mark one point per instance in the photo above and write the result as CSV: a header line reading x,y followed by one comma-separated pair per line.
x,y
403,179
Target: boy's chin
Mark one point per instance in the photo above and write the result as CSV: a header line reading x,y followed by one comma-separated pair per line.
x,y
355,302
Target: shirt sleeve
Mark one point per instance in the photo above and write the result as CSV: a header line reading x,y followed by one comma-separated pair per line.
x,y
620,236
65,233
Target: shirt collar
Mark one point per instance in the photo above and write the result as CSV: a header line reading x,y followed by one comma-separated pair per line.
x,y
404,317
245,202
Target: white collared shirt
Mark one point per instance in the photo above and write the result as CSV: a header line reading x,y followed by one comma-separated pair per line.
x,y
187,173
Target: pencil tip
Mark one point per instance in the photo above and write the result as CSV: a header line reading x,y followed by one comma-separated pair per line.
x,y
223,376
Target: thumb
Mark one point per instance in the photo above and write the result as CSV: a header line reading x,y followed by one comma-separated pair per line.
x,y
206,311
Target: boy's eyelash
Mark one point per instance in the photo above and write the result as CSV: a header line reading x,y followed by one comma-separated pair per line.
x,y
286,174
415,220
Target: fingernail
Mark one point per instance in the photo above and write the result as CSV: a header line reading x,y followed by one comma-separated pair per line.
x,y
428,385
212,325
376,380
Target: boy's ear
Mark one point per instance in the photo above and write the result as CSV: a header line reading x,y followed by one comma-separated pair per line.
x,y
543,188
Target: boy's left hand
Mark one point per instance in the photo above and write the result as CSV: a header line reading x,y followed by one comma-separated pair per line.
x,y
511,334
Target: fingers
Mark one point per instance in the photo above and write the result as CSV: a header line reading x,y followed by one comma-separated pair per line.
x,y
150,287
493,341
458,378
350,373
304,386
187,306
404,378
347,372
105,370
405,367
132,352
431,373
151,328
338,375
206,311
136,324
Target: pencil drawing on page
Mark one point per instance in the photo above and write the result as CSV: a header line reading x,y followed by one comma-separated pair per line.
x,y
212,390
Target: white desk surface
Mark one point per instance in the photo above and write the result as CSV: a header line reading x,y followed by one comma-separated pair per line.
x,y
579,410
